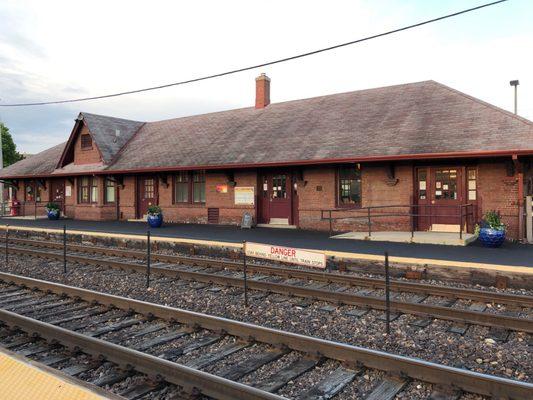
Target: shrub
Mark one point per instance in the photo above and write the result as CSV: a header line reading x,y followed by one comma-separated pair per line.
x,y
492,220
52,207
154,211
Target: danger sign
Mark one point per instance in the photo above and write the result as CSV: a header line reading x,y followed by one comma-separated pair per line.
x,y
285,254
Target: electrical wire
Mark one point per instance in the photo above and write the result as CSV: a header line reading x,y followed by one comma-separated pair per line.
x,y
265,64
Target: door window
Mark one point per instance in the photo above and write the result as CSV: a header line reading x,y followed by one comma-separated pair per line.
x,y
446,184
422,184
279,187
149,188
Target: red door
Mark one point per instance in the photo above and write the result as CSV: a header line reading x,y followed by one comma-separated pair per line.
x,y
439,193
447,195
57,193
147,194
276,198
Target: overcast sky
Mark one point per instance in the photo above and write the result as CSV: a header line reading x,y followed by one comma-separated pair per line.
x,y
53,50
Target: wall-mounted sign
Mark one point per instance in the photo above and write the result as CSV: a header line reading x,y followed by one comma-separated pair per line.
x,y
244,195
286,254
222,188
68,190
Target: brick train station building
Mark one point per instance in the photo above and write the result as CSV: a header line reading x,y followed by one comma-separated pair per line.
x,y
423,153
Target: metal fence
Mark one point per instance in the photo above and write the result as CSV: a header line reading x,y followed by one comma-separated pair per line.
x,y
27,208
464,213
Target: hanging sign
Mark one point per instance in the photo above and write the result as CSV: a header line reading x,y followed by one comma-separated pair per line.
x,y
222,188
285,254
244,195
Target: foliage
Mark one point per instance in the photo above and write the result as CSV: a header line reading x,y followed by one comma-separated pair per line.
x,y
154,211
492,220
9,149
52,207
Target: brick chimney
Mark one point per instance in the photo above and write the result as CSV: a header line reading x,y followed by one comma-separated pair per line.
x,y
262,91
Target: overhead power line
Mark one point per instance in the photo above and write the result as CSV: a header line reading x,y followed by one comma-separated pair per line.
x,y
265,64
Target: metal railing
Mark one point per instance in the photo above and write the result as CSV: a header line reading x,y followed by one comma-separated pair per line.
x,y
27,208
463,214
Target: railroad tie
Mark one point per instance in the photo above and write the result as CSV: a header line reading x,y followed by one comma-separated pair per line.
x,y
140,390
330,385
237,371
210,358
387,389
282,377
169,337
113,327
187,348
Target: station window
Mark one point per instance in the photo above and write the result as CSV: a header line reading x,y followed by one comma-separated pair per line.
x,y
189,187
422,184
32,192
88,189
110,191
349,186
86,141
472,184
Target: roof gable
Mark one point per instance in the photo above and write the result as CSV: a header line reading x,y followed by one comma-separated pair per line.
x,y
109,135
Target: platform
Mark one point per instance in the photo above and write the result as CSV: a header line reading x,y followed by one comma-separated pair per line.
x,y
440,238
510,257
21,378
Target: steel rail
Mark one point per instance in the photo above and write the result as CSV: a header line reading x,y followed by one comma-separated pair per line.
x,y
330,277
469,381
187,378
419,309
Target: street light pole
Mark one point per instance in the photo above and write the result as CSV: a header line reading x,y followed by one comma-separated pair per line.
x,y
515,83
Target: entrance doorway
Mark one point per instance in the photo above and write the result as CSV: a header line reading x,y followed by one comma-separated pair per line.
x,y
147,194
440,191
57,192
278,199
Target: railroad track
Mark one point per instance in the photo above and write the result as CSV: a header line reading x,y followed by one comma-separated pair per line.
x,y
425,301
216,357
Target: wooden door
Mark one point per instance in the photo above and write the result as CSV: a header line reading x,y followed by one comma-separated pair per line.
x,y
57,192
423,201
147,194
447,189
276,197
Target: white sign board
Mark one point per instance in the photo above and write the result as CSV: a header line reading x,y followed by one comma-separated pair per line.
x,y
285,254
68,190
245,195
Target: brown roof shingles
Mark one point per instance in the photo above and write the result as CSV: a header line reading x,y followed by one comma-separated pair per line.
x,y
411,119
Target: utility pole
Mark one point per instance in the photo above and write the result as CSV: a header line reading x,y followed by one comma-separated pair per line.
x,y
515,83
2,210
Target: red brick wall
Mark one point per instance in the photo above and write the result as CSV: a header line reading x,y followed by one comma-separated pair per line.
x,y
85,156
499,192
376,191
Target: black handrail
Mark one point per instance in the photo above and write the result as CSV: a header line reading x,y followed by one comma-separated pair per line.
x,y
464,211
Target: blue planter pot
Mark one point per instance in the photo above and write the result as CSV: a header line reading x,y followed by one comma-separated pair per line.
x,y
53,214
155,221
491,237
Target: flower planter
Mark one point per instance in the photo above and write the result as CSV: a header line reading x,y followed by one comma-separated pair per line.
x,y
491,237
53,214
155,221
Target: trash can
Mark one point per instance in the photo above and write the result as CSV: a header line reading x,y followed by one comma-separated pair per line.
x,y
15,208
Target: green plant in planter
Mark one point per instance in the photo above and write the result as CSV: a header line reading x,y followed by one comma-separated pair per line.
x,y
492,220
52,207
154,211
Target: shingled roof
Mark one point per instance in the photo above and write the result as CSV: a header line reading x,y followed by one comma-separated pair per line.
x,y
410,121
103,130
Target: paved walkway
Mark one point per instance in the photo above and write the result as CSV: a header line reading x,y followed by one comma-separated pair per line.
x,y
508,254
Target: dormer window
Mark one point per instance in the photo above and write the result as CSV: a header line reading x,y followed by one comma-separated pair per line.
x,y
86,142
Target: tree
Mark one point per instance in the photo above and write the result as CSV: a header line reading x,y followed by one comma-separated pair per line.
x,y
9,149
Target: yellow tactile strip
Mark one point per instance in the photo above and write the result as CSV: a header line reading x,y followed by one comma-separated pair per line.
x,y
513,269
20,380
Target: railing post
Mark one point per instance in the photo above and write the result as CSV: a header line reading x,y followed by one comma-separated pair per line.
x,y
369,223
330,224
244,272
461,221
412,223
148,256
387,292
64,249
7,244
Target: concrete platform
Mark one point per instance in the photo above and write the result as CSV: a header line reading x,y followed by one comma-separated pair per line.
x,y
510,257
441,238
21,379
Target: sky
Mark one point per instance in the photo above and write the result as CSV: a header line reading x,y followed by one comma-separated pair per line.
x,y
57,50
